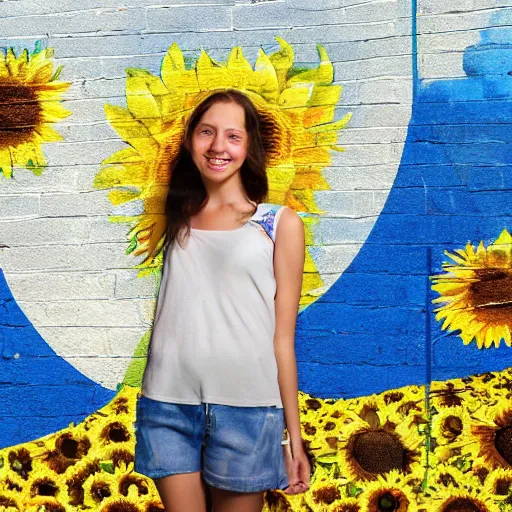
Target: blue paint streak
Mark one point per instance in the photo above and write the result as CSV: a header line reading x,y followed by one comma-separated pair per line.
x,y
414,35
39,391
428,318
372,330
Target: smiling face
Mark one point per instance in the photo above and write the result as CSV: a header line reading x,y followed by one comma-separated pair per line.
x,y
219,142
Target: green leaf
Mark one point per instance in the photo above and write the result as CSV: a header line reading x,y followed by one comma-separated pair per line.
x,y
352,490
107,466
57,73
132,246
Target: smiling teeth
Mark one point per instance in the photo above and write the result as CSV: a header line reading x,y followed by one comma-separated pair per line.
x,y
217,161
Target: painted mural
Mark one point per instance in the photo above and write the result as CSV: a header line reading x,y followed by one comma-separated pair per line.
x,y
404,356
30,105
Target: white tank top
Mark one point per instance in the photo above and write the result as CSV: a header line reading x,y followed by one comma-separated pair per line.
x,y
213,333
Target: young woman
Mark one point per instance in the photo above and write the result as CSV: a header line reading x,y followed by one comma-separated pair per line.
x,y
221,365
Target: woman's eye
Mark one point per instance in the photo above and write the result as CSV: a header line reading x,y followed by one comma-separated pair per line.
x,y
235,137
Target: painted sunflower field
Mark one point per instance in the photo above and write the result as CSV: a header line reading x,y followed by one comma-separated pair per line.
x,y
399,451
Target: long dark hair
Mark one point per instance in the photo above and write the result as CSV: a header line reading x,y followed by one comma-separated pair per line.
x,y
187,193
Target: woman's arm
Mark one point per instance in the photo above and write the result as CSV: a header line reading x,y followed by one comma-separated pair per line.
x,y
288,268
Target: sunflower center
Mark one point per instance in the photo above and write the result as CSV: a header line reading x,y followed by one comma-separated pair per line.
x,y
503,486
452,426
493,289
387,503
7,502
503,443
69,448
116,432
379,451
327,494
44,488
100,491
20,113
463,505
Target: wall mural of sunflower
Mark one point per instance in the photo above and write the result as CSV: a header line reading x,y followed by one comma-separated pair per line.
x,y
297,107
476,293
30,95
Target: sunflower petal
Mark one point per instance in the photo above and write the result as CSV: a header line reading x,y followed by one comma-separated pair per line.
x,y
322,75
5,162
282,61
264,79
142,104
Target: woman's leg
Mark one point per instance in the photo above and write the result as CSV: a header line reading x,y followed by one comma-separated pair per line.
x,y
228,501
183,492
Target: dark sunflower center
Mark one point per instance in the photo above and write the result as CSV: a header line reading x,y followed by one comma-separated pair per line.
x,y
502,486
7,502
387,503
69,448
503,443
128,480
20,113
21,462
493,289
452,426
116,432
463,505
327,494
44,488
100,491
379,451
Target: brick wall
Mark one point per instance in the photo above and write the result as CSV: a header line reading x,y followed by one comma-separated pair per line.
x,y
64,261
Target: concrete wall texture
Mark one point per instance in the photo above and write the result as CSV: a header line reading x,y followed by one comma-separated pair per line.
x,y
425,171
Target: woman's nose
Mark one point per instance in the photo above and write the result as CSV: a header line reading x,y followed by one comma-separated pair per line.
x,y
217,144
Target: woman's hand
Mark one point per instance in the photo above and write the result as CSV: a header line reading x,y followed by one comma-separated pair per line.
x,y
298,470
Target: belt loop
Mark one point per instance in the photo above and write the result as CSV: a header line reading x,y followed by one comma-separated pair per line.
x,y
214,422
207,417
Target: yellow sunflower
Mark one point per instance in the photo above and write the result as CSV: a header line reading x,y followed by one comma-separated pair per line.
x,y
10,501
394,492
99,486
323,493
494,435
476,293
499,482
451,426
451,393
30,103
46,504
367,450
297,108
461,498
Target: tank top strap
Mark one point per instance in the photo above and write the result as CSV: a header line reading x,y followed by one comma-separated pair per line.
x,y
267,216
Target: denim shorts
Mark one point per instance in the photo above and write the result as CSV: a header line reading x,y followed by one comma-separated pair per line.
x,y
236,448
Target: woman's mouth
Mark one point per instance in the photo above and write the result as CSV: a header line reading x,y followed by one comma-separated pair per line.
x,y
217,164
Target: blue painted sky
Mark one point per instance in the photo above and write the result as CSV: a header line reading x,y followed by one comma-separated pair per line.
x,y
40,392
374,329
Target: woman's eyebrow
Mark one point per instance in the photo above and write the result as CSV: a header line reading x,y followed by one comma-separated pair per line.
x,y
239,130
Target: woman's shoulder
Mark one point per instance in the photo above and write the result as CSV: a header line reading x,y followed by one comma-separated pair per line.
x,y
269,215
